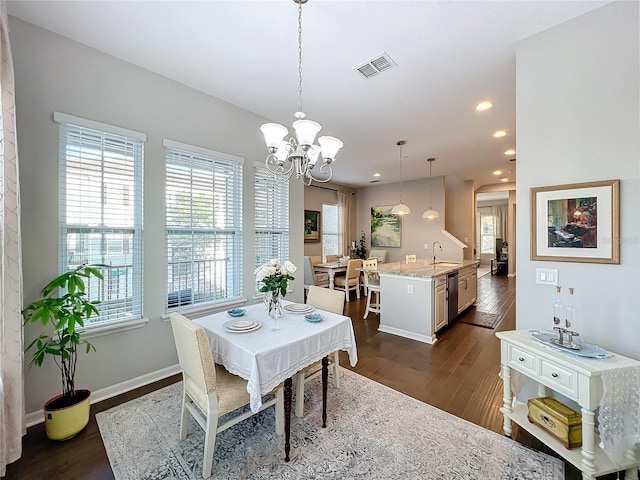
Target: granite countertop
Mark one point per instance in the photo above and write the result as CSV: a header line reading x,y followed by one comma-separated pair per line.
x,y
422,268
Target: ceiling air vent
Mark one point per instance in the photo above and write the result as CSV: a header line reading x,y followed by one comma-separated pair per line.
x,y
377,65
374,181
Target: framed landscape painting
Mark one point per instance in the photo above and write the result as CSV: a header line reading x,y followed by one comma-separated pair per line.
x,y
576,223
385,227
311,226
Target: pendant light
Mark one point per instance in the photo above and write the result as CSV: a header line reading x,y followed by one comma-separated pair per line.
x,y
400,208
430,213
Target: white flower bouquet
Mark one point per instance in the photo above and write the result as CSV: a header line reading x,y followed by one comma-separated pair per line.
x,y
275,276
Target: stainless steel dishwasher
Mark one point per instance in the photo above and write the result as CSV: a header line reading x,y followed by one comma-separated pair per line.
x,y
452,297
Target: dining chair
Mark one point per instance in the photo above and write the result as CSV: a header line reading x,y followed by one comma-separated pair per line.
x,y
351,281
311,278
209,391
371,285
410,258
315,259
381,255
332,258
329,301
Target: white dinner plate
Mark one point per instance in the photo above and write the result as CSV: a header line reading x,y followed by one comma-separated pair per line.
x,y
250,328
242,324
299,308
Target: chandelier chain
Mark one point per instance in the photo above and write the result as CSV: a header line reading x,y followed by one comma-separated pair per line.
x,y
300,57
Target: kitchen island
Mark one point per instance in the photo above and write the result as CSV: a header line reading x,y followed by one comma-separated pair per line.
x,y
415,297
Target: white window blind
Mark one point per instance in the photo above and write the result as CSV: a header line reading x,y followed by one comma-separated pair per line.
x,y
329,230
272,218
203,225
101,214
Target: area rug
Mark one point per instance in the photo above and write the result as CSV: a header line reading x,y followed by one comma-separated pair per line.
x,y
372,433
482,319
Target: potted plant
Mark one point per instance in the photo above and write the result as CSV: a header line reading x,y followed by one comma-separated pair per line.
x,y
65,306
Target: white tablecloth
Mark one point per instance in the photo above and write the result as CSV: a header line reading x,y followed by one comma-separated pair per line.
x,y
266,358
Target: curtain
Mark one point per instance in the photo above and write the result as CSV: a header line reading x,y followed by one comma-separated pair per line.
x,y
11,343
345,218
500,212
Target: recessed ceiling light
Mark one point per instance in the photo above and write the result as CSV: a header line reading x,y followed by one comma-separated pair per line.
x,y
498,172
504,179
485,105
376,174
500,134
511,151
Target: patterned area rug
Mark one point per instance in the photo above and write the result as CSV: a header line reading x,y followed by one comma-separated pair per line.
x,y
482,319
373,433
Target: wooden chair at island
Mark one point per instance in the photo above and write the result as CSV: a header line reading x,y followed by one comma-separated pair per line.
x,y
371,285
381,255
351,281
329,301
210,391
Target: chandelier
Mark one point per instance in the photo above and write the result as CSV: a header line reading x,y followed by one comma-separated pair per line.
x,y
299,154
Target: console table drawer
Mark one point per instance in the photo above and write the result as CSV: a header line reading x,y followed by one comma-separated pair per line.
x,y
560,378
523,361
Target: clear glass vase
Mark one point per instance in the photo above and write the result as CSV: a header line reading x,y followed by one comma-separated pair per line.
x,y
273,302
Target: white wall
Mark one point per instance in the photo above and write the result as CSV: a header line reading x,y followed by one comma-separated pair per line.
x,y
416,231
56,74
578,121
459,213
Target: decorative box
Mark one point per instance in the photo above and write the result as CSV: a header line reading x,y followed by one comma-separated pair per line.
x,y
562,422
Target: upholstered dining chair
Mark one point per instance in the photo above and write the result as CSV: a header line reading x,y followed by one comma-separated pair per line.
x,y
329,301
209,391
311,278
351,281
332,258
315,259
371,286
410,258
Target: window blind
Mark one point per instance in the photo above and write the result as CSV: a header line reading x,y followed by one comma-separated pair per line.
x,y
271,218
203,225
101,215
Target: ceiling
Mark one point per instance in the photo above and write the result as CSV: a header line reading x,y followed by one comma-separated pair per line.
x,y
449,56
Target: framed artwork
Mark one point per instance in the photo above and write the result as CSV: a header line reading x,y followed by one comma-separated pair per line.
x,y
311,226
386,229
576,223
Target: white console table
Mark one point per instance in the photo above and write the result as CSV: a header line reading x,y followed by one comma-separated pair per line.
x,y
578,379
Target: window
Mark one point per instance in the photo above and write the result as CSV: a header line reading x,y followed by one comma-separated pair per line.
x,y
272,218
203,225
329,230
101,211
487,234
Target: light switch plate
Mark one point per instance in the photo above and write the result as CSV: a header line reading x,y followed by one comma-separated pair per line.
x,y
546,276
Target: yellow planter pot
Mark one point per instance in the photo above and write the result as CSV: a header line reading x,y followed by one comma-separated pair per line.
x,y
64,422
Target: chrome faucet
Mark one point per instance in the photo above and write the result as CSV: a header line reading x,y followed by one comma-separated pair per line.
x,y
434,250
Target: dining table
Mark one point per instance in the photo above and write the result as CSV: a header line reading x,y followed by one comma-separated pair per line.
x,y
267,358
331,268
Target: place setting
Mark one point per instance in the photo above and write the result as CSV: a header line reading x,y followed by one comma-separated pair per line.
x,y
299,308
240,325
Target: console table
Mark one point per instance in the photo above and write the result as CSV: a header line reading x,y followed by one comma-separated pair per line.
x,y
578,379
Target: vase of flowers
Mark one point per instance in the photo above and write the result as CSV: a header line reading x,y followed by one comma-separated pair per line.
x,y
275,277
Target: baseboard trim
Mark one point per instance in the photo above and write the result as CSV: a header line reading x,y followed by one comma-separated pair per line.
x,y
34,418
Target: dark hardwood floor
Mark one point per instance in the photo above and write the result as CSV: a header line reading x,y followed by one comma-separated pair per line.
x,y
459,374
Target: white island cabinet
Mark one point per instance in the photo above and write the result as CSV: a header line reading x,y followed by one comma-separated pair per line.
x,y
413,297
